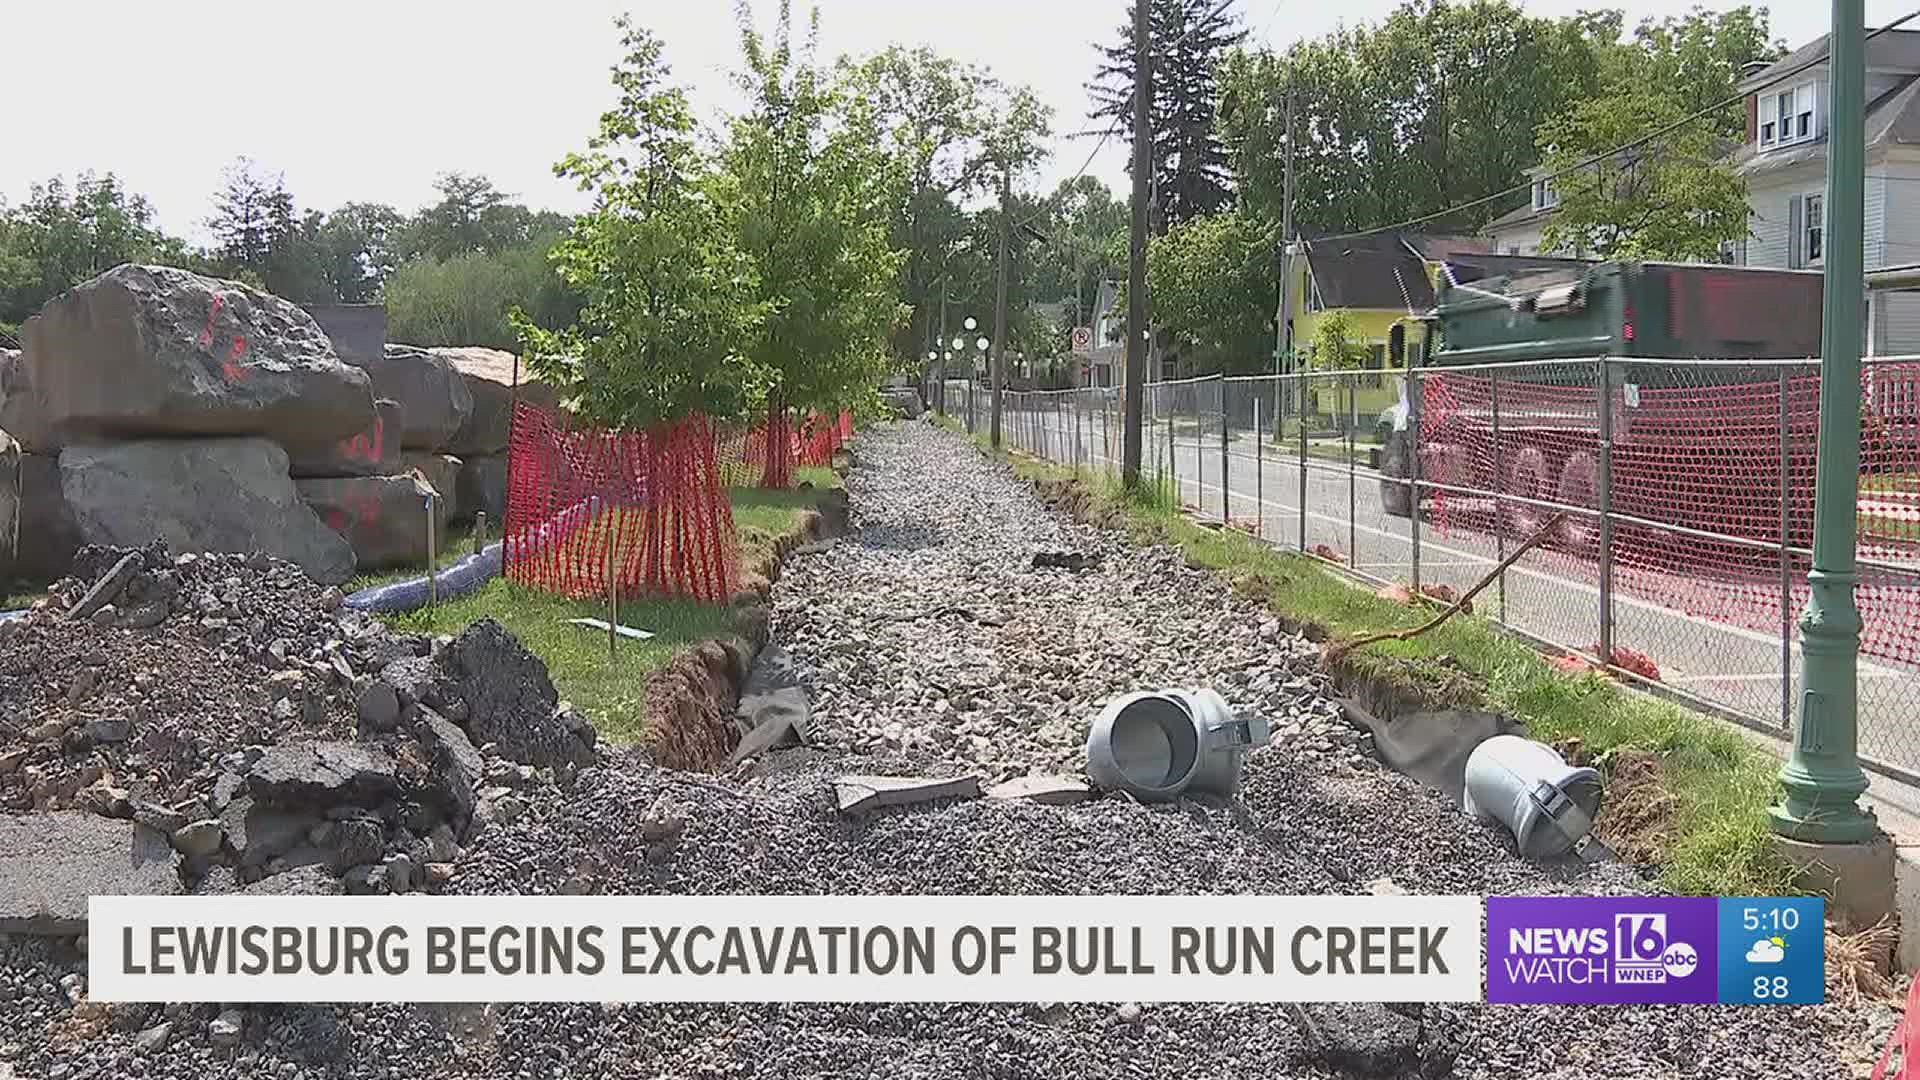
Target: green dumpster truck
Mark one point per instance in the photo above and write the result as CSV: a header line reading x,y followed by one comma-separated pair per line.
x,y
1707,425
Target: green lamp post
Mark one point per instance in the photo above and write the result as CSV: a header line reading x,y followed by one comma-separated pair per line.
x,y
1823,780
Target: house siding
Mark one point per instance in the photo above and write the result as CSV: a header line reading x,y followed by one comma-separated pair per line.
x,y
1524,237
1893,239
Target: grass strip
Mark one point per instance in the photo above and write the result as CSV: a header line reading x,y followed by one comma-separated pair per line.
x,y
611,689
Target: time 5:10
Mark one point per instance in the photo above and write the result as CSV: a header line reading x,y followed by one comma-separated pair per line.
x,y
1780,918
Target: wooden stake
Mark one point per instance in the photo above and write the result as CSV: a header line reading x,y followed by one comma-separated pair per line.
x,y
433,578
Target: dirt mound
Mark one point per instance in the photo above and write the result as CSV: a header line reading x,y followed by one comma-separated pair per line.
x,y
188,658
238,708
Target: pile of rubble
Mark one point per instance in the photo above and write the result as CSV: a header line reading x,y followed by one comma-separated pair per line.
x,y
152,401
233,710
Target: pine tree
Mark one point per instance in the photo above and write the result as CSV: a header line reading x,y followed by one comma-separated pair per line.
x,y
1189,39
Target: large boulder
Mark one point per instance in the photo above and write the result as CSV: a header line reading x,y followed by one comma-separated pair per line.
x,y
38,536
152,350
19,415
230,495
482,486
434,401
489,375
384,518
373,452
53,862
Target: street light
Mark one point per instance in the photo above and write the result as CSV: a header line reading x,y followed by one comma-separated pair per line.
x,y
972,323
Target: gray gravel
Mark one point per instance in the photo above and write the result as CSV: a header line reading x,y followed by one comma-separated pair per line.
x,y
937,527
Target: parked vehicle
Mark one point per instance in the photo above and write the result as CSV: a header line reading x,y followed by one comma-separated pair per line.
x,y
1695,444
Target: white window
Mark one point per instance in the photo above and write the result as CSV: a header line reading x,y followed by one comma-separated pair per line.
x,y
1790,116
1815,227
1545,197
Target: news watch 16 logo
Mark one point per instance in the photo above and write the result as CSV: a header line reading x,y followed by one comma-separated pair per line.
x,y
1655,950
1601,950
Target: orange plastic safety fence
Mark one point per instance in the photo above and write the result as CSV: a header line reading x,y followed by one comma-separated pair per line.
x,y
588,509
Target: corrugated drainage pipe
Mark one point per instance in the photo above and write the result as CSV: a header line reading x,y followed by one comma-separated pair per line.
x,y
1548,804
1160,744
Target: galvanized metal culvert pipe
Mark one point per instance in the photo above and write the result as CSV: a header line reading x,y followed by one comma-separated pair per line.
x,y
1548,804
1157,745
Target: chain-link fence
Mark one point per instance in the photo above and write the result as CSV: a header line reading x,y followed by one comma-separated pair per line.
x,y
1676,500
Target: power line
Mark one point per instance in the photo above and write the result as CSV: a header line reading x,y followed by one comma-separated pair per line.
x,y
1623,148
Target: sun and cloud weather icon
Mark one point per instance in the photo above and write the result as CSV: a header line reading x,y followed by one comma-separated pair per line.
x,y
1767,951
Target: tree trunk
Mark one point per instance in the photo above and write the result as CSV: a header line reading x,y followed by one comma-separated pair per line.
x,y
778,472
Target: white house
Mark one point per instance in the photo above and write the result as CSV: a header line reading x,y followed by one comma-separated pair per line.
x,y
1518,232
1784,161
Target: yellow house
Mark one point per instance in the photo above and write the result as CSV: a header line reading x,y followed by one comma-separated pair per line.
x,y
1378,281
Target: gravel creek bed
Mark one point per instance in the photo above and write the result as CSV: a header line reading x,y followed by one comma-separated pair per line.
x,y
930,645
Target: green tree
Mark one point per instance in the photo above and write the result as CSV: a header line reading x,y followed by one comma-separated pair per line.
x,y
668,308
1189,40
63,235
1334,349
1082,223
261,236
1675,198
472,216
356,245
1015,145
1434,107
1213,281
932,116
812,186
1696,60
466,300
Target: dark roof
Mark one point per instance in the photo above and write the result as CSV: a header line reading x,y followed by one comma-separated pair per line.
x,y
1377,271
1898,50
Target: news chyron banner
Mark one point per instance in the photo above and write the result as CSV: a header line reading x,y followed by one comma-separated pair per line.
x,y
1644,950
272,949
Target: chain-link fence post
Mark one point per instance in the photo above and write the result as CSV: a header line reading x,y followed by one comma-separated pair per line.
x,y
1306,398
1416,390
1499,504
1353,478
1259,473
1173,458
1605,499
1226,475
1106,429
1199,453
1786,565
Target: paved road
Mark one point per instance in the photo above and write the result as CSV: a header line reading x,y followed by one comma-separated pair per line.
x,y
1713,637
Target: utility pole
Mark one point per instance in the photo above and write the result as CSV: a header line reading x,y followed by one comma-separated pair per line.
x,y
1136,362
998,376
1283,338
1822,779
